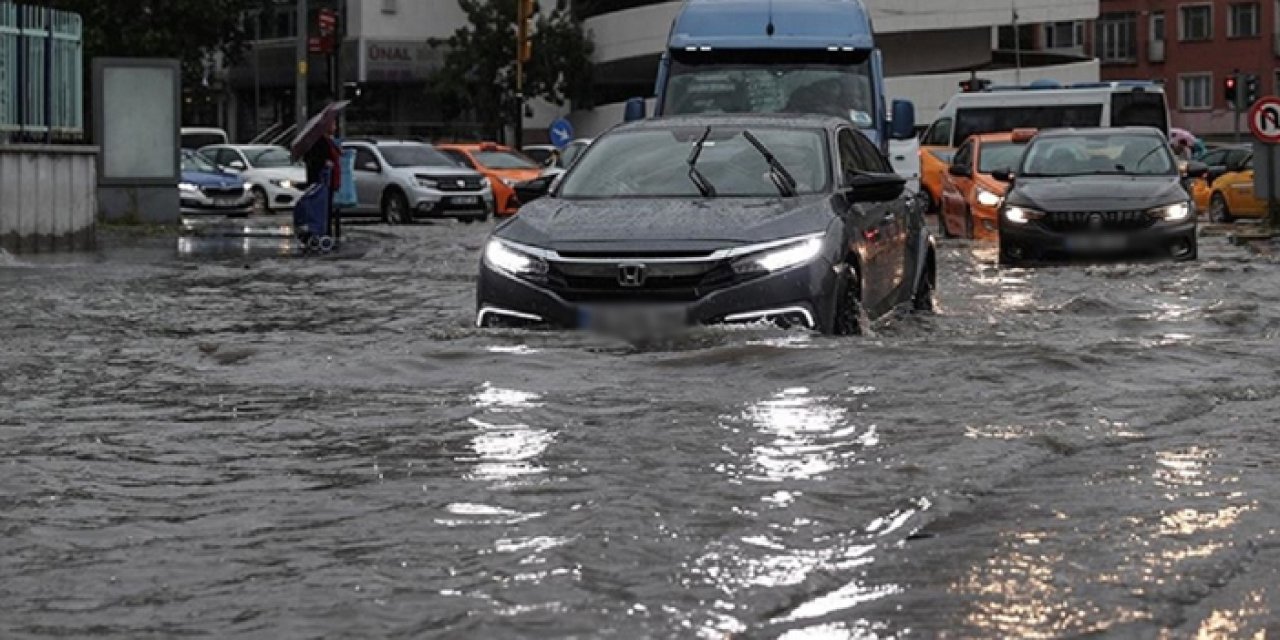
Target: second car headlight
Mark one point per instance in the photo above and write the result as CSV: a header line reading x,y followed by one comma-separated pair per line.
x,y
1021,215
502,256
428,183
283,183
987,198
783,257
1173,213
188,187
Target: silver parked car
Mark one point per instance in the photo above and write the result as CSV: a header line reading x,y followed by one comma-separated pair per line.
x,y
403,181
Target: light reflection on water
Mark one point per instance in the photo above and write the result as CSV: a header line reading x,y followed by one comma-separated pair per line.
x,y
505,450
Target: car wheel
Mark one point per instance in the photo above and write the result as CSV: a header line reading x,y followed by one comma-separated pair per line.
x,y
259,202
922,299
848,316
1218,210
395,208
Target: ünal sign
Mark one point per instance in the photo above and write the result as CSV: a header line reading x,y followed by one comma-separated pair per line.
x,y
381,53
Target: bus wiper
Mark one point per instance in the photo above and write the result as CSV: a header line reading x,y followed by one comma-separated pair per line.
x,y
781,178
700,181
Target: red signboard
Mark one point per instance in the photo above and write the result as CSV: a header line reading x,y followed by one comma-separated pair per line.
x,y
327,21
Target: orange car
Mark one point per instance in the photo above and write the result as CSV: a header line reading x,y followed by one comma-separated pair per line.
x,y
970,196
934,161
504,166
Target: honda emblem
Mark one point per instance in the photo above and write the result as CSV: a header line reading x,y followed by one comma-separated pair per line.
x,y
462,184
1095,222
631,275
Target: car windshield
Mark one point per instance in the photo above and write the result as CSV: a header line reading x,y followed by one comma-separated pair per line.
x,y
1099,154
268,158
999,155
415,156
841,90
196,162
654,163
504,160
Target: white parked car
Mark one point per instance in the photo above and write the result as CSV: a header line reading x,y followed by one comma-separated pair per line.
x,y
275,181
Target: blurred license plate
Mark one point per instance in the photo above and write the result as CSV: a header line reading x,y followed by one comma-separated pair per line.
x,y
1101,242
633,319
473,200
226,202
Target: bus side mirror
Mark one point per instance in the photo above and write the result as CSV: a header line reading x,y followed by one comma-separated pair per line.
x,y
635,110
904,120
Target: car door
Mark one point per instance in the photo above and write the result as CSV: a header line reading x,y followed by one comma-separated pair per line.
x,y
935,152
955,190
867,224
369,179
896,225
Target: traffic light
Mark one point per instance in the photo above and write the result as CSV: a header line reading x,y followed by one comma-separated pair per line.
x,y
1230,91
524,29
1250,90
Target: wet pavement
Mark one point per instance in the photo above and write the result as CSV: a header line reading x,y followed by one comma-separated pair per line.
x,y
235,442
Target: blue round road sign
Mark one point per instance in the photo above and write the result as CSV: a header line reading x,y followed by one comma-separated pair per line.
x,y
561,133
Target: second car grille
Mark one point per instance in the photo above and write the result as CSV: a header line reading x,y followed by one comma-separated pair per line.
x,y
223,192
683,281
460,184
1075,221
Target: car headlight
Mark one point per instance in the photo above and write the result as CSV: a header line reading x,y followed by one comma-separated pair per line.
x,y
988,199
428,183
283,183
1173,213
779,258
502,256
1021,215
188,187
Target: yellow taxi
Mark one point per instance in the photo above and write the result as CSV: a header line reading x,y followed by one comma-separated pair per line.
x,y
1232,196
1220,161
934,161
971,197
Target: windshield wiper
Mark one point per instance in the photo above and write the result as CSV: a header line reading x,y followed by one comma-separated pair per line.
x,y
781,178
699,180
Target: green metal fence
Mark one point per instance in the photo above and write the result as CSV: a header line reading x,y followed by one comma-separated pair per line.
x,y
41,73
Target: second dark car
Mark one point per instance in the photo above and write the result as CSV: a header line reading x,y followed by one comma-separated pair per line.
x,y
1096,193
702,220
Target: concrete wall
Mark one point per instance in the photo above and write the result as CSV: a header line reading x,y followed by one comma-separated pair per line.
x,y
48,198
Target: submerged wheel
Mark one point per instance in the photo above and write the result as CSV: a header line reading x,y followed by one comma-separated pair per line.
x,y
848,316
1217,209
922,299
395,208
259,202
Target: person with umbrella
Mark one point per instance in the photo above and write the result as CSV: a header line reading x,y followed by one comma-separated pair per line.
x,y
1183,143
319,150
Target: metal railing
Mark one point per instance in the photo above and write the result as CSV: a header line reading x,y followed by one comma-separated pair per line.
x,y
41,73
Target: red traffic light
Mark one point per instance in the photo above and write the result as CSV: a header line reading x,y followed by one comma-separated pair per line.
x,y
1231,83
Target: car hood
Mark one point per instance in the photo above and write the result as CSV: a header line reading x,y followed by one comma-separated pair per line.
x,y
519,175
216,180
664,224
293,174
1097,193
450,172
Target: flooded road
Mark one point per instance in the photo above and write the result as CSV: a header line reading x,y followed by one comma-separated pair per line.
x,y
280,447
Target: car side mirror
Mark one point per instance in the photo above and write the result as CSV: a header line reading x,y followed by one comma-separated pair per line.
x,y
960,171
635,109
1003,175
904,120
875,187
553,191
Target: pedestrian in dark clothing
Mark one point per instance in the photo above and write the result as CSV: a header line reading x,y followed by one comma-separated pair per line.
x,y
326,153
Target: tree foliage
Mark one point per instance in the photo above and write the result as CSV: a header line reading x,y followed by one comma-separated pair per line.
x,y
478,75
182,29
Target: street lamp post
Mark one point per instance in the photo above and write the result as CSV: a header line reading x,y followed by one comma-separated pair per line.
x,y
300,82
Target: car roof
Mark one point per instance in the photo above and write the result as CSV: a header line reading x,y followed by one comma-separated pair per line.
x,y
745,121
1087,131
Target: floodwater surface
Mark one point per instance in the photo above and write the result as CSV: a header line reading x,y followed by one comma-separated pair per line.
x,y
271,446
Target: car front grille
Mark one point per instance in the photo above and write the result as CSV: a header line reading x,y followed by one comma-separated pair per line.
x,y
669,282
1079,221
459,184
222,192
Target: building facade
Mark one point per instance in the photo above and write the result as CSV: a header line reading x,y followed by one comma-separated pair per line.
x,y
929,47
1192,47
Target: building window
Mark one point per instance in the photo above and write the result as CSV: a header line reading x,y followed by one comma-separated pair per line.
x,y
1157,26
1117,37
1244,21
1063,35
1195,92
1195,22
1026,38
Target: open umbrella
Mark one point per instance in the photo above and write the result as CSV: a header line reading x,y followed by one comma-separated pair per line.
x,y
315,128
1182,136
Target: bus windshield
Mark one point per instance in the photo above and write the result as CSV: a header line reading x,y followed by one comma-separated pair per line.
x,y
739,84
